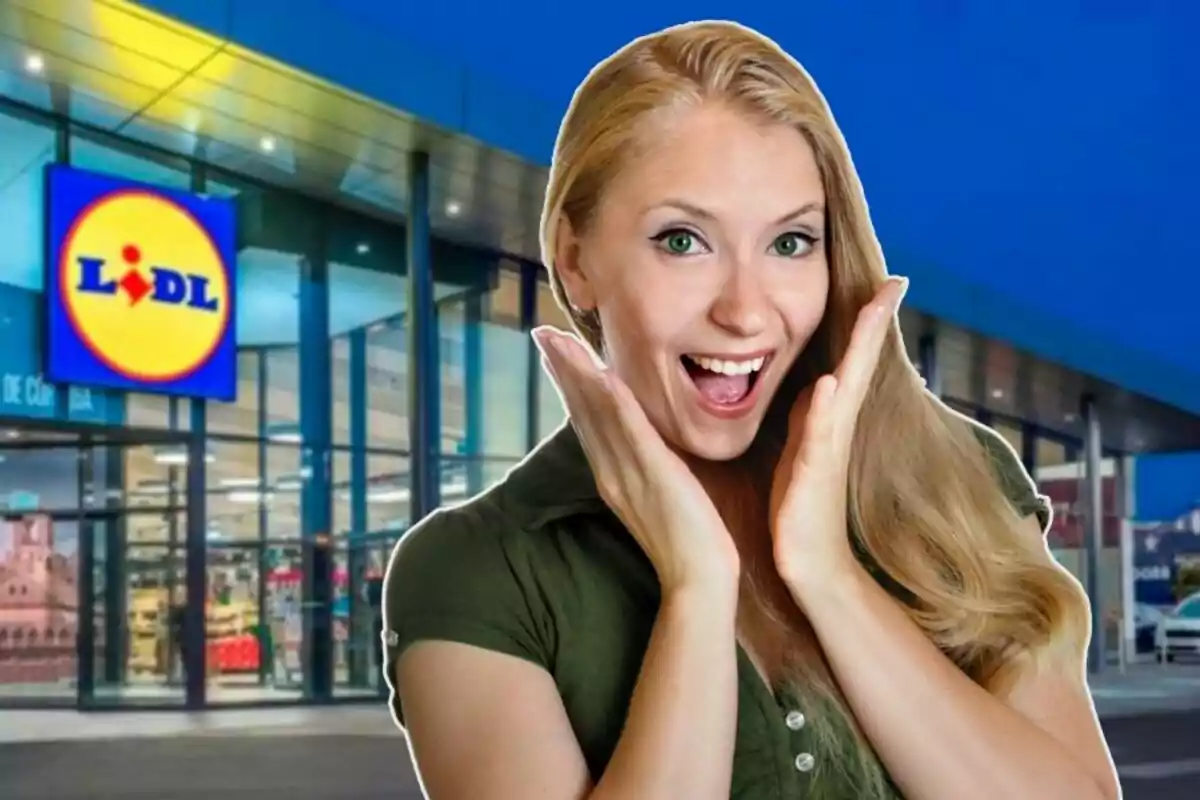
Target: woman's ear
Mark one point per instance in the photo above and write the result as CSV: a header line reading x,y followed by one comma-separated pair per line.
x,y
568,264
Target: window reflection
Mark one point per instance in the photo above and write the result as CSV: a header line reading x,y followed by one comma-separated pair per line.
x,y
26,148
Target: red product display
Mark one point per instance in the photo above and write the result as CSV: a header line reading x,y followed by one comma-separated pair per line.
x,y
235,654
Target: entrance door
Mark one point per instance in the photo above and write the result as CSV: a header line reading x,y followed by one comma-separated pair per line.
x,y
93,560
141,637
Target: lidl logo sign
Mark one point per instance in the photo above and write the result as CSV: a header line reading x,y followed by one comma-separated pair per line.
x,y
139,286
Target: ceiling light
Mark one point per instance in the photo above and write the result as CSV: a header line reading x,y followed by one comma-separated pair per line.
x,y
401,494
997,393
249,496
240,483
177,457
286,432
1069,417
35,64
453,208
363,248
267,144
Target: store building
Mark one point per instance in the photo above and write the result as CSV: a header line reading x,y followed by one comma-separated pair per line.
x,y
369,279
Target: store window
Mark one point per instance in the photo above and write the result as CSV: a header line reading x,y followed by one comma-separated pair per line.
x,y
124,160
268,318
1051,452
504,375
27,147
38,567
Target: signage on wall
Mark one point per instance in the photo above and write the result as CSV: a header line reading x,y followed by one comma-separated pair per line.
x,y
24,389
139,287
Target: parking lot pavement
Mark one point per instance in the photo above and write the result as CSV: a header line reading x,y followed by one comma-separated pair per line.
x,y
1158,755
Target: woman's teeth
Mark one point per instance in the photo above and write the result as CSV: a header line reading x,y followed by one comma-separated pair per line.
x,y
723,367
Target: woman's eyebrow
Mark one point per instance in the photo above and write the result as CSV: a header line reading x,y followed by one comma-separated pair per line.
x,y
702,213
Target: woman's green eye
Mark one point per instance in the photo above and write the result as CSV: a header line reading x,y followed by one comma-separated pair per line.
x,y
790,244
679,242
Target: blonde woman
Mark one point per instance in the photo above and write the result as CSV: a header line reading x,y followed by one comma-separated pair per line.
x,y
761,561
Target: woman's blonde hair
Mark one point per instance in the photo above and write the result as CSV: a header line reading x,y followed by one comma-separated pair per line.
x,y
926,512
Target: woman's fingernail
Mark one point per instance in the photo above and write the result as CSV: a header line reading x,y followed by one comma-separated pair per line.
x,y
541,336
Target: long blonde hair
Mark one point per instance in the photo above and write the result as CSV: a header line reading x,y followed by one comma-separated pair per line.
x,y
925,510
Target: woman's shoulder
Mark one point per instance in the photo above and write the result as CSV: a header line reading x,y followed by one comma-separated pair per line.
x,y
461,547
512,526
497,528
468,574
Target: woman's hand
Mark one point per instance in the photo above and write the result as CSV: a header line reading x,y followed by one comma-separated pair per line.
x,y
808,495
648,486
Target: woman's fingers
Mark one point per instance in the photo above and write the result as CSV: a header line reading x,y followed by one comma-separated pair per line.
x,y
866,343
600,405
819,445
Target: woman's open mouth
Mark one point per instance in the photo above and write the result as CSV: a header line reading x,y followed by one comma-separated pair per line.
x,y
726,385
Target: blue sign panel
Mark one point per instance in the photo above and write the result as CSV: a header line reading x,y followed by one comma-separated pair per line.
x,y
140,285
1157,557
24,390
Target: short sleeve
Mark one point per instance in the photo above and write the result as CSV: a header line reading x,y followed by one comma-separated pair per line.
x,y
1018,486
460,576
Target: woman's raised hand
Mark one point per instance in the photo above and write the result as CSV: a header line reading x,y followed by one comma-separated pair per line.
x,y
808,498
646,484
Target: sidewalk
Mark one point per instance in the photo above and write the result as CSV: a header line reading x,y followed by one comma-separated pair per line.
x,y
54,725
1142,689
1146,689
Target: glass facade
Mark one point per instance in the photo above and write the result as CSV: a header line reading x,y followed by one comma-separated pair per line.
x,y
120,512
279,508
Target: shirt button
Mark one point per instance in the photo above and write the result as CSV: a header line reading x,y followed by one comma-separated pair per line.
x,y
794,720
805,762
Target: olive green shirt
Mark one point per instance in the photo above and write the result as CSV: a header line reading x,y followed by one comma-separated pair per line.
x,y
537,567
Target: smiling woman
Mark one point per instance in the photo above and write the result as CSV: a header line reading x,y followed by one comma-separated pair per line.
x,y
761,548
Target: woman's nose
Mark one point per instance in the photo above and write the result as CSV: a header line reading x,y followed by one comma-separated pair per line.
x,y
742,306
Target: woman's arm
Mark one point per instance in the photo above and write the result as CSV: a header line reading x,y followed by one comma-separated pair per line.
x,y
486,726
941,735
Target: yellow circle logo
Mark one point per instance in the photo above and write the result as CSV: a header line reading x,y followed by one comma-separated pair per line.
x,y
144,286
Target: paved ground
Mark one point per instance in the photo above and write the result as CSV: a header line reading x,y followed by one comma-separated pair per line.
x,y
1159,756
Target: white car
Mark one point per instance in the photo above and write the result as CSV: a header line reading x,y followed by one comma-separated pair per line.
x,y
1179,631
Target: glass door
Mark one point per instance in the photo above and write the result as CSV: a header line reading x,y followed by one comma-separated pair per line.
x,y
138,590
138,642
359,566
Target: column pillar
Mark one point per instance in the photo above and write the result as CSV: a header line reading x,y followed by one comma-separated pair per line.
x,y
473,390
1093,529
356,558
424,377
316,433
533,358
266,611
195,628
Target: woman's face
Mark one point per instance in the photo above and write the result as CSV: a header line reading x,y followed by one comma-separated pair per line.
x,y
706,262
